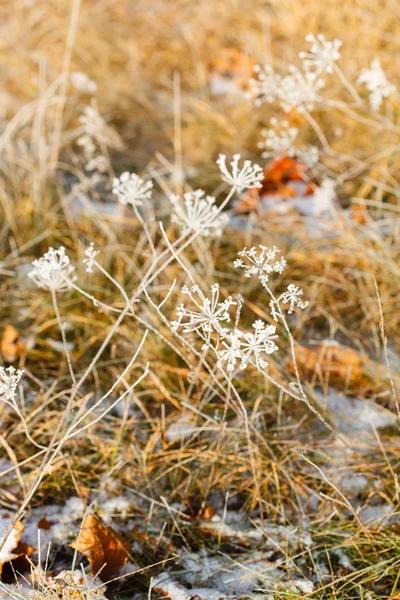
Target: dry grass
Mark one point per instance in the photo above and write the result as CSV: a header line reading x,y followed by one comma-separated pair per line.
x,y
133,52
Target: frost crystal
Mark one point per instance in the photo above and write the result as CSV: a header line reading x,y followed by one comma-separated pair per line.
x,y
376,83
52,271
249,176
132,189
209,315
322,54
293,298
260,264
198,214
9,380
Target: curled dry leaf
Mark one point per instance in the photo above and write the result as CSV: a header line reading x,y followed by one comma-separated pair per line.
x,y
11,345
106,550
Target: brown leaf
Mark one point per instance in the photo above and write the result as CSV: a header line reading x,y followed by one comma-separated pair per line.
x,y
44,523
106,550
11,345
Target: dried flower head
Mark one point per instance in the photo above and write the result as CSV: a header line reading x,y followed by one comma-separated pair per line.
x,y
260,264
132,189
376,83
296,90
53,270
96,129
266,87
9,380
293,297
248,347
209,315
198,213
249,176
322,54
279,139
299,90
91,254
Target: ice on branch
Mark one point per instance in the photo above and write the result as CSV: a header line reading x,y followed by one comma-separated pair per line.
x,y
198,213
322,54
260,264
53,270
91,254
9,380
132,189
208,315
376,83
248,348
249,176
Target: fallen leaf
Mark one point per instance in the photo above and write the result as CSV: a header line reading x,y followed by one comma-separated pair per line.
x,y
11,346
44,523
106,550
9,550
336,365
280,179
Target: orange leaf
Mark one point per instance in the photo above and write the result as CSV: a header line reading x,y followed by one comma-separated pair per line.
x,y
106,550
11,346
8,552
335,364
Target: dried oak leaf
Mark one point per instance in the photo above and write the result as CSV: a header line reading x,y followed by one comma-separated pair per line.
x,y
11,345
106,550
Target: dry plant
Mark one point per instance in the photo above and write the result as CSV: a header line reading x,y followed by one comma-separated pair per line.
x,y
184,411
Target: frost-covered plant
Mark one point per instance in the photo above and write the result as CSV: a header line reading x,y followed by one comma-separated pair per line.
x,y
248,347
297,89
292,297
322,54
261,264
90,259
376,83
9,380
248,176
278,141
132,189
53,270
198,213
209,315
